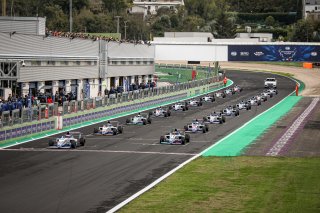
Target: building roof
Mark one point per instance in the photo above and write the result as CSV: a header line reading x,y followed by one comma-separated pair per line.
x,y
312,2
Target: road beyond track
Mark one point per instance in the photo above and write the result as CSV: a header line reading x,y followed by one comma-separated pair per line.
x,y
108,170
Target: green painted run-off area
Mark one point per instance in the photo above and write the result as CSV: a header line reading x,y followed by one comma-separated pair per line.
x,y
236,142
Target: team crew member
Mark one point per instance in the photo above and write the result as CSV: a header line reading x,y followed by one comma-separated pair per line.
x,y
225,80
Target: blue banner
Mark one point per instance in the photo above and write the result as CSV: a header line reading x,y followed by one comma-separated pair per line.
x,y
286,53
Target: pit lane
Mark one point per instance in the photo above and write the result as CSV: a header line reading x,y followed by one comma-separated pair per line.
x,y
107,170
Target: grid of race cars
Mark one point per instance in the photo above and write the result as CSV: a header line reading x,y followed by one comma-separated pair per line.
x,y
178,136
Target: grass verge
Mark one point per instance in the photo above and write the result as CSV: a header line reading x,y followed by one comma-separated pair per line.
x,y
287,64
172,75
237,184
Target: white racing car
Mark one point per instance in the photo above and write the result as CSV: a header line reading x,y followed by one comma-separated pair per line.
x,y
230,111
140,119
111,128
175,137
161,112
180,107
254,101
266,94
197,126
229,91
194,103
220,94
71,140
237,88
244,105
273,91
208,98
214,118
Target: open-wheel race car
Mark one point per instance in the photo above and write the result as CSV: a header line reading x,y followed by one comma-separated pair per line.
x,y
208,98
111,128
214,118
244,105
70,140
237,88
254,101
176,136
161,112
194,103
139,119
220,94
230,111
197,126
267,94
229,91
180,107
273,91
261,97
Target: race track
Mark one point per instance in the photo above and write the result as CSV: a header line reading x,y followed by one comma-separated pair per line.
x,y
109,169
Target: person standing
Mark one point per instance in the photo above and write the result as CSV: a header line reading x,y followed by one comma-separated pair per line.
x,y
225,81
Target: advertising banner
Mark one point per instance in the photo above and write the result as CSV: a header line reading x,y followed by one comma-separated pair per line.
x,y
2,135
285,53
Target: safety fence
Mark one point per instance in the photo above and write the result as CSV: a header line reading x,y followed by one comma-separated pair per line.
x,y
117,107
47,111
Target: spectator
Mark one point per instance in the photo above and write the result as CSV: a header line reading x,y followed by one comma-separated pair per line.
x,y
49,100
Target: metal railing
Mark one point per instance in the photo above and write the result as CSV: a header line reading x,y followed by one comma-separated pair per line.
x,y
46,111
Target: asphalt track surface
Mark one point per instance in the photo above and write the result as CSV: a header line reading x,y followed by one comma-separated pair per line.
x,y
109,169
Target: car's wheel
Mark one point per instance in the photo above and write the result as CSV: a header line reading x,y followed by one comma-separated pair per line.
x,y
144,122
204,130
169,113
165,114
73,144
114,132
95,130
205,118
200,104
183,141
120,129
187,108
187,137
224,95
185,128
51,142
82,141
223,119
127,121
207,128
259,103
183,109
149,120
161,139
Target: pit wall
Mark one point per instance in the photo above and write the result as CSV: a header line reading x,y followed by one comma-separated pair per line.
x,y
36,130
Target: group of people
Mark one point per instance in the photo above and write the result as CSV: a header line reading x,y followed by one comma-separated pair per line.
x,y
92,37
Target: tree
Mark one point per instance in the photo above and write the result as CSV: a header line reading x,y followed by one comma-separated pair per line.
x,y
116,7
270,21
193,23
223,26
302,31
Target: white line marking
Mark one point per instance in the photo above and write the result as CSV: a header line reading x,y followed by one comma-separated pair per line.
x,y
81,125
134,196
274,151
95,151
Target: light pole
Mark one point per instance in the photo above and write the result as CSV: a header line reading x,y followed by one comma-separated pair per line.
x,y
125,30
70,15
118,20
